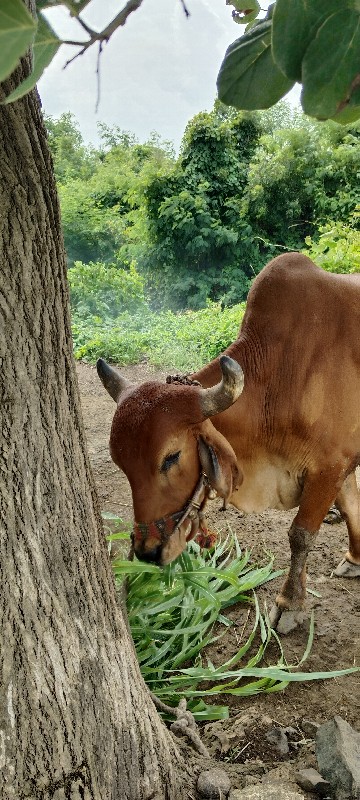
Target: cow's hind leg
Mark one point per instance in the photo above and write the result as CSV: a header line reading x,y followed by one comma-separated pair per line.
x,y
318,494
348,502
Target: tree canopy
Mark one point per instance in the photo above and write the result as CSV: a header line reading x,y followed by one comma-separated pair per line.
x,y
245,186
196,225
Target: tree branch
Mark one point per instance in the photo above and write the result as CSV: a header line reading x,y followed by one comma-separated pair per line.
x,y
119,20
186,11
86,27
106,33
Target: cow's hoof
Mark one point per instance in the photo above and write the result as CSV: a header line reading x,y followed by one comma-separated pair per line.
x,y
274,615
290,620
285,620
347,570
333,516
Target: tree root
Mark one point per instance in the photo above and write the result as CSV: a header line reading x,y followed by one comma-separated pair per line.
x,y
184,725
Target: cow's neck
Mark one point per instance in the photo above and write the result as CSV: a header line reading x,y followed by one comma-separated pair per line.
x,y
269,480
246,427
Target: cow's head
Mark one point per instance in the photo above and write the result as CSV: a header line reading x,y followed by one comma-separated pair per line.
x,y
163,439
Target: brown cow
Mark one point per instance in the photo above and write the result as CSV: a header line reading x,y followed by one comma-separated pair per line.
x,y
281,430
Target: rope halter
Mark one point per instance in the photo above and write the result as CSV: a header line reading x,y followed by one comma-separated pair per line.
x,y
162,529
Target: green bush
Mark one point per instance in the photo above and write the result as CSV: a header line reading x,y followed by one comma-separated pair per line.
x,y
184,341
194,337
120,340
105,290
338,247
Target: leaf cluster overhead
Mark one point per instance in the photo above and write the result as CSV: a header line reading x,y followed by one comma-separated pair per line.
x,y
313,42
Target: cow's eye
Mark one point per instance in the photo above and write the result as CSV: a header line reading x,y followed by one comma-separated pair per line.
x,y
169,461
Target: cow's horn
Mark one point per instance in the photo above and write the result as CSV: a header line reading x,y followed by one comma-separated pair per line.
x,y
224,394
114,382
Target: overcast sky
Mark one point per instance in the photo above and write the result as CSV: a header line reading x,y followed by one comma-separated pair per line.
x,y
156,72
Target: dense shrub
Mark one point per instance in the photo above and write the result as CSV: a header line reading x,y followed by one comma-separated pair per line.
x,y
105,290
245,186
118,340
337,248
184,341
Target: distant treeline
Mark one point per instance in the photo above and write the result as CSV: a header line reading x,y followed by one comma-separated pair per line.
x,y
179,231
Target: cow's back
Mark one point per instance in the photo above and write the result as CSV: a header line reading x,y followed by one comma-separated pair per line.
x,y
292,293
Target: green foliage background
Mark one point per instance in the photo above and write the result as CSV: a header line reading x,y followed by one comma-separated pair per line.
x,y
184,340
162,250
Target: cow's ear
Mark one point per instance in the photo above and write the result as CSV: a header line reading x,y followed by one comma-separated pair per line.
x,y
218,461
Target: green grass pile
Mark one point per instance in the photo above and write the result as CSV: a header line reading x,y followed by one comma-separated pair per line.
x,y
173,612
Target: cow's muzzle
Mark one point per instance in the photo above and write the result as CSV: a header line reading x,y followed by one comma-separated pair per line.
x,y
156,534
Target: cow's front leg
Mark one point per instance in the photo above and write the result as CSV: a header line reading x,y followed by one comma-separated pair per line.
x,y
293,592
318,494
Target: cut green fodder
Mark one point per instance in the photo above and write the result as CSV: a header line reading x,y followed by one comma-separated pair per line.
x,y
172,613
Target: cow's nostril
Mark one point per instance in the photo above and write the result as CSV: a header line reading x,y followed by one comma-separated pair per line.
x,y
153,556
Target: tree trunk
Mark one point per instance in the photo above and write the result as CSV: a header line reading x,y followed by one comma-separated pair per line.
x,y
76,720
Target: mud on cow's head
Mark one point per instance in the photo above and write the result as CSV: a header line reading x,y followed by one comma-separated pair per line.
x,y
163,440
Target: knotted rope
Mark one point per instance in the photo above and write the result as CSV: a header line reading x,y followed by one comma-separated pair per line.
x,y
182,380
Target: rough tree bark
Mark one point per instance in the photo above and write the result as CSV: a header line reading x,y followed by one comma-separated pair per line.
x,y
76,720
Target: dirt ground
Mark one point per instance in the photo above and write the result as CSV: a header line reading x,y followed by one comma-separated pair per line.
x,y
337,613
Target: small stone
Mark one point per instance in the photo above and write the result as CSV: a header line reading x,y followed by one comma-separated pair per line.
x,y
268,792
338,755
311,781
310,727
290,732
214,784
277,738
281,775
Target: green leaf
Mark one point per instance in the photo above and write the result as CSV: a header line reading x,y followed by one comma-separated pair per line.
x,y
17,28
314,592
209,713
310,639
246,5
275,673
295,25
111,515
317,42
331,65
133,567
245,11
46,44
347,115
249,78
